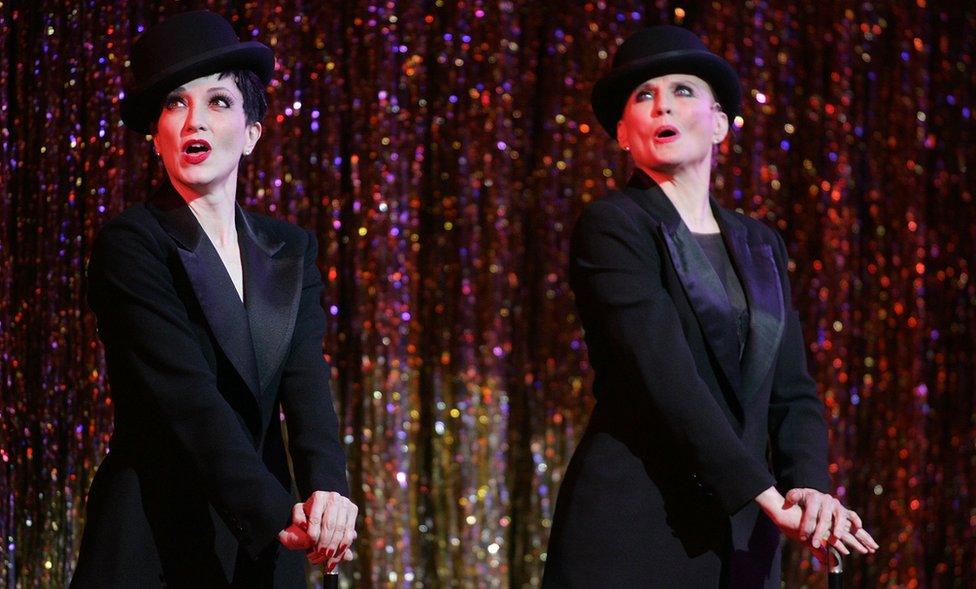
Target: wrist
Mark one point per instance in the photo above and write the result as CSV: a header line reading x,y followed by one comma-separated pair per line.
x,y
771,501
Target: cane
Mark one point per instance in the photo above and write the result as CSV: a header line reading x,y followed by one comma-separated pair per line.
x,y
835,570
330,580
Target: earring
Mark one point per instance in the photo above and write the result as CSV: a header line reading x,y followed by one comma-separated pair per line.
x,y
626,148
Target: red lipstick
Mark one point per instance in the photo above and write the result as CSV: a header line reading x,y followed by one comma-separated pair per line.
x,y
666,134
195,151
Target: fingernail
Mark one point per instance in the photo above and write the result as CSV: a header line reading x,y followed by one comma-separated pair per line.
x,y
342,548
328,553
331,566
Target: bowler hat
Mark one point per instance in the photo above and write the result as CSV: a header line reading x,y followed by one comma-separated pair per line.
x,y
181,48
658,51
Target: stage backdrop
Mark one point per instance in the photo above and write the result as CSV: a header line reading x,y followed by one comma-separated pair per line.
x,y
441,151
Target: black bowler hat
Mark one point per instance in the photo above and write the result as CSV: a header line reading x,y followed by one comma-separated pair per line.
x,y
182,48
658,51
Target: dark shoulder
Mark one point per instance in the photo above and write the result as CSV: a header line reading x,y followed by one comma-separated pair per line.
x,y
613,205
136,216
612,218
133,230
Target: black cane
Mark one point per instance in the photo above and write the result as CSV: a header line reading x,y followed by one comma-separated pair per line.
x,y
330,580
835,570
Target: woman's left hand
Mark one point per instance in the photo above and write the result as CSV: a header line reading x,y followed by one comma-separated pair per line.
x,y
825,522
332,526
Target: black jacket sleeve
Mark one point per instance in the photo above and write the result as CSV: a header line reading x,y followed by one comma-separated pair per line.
x,y
148,337
617,266
317,453
797,429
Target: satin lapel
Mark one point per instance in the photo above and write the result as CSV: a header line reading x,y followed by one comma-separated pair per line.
x,y
708,298
764,293
272,292
211,284
701,283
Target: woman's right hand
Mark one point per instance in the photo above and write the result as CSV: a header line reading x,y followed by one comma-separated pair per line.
x,y
331,524
788,515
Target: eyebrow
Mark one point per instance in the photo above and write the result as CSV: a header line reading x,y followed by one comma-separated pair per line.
x,y
182,90
679,82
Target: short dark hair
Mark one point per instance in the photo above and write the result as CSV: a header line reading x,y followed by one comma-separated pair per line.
x,y
252,89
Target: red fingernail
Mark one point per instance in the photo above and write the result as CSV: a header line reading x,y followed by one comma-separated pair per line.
x,y
342,548
328,553
331,566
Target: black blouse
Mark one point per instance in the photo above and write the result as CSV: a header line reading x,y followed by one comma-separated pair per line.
x,y
714,248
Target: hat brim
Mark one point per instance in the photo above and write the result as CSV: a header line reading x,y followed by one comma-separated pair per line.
x,y
141,104
610,93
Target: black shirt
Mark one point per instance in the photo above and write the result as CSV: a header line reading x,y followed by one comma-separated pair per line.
x,y
714,248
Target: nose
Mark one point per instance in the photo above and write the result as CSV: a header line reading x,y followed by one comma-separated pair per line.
x,y
662,104
196,118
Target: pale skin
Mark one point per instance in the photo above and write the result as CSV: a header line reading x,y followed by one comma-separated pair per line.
x,y
670,126
209,111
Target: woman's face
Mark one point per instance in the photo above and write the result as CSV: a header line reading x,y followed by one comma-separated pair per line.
x,y
202,132
671,122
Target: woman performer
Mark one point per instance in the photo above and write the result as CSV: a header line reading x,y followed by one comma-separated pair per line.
x,y
212,326
705,408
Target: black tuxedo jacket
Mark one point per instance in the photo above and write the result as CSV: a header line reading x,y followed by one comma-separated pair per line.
x,y
196,485
684,433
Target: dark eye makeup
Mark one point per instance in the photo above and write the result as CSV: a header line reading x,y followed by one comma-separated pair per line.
x,y
679,88
227,100
175,99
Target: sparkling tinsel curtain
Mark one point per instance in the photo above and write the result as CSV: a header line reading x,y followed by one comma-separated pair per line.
x,y
441,150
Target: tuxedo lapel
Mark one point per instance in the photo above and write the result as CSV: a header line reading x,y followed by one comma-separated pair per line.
x,y
272,292
761,283
708,298
212,285
701,283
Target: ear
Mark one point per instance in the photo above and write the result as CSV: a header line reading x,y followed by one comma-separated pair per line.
x,y
252,134
721,128
622,139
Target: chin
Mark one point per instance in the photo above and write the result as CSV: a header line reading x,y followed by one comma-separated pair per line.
x,y
199,177
675,163
195,179
667,166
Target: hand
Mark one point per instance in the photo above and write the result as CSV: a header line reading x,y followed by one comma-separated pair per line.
x,y
826,522
295,537
331,522
818,520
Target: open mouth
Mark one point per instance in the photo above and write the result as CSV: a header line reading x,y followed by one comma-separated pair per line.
x,y
196,146
195,151
666,133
